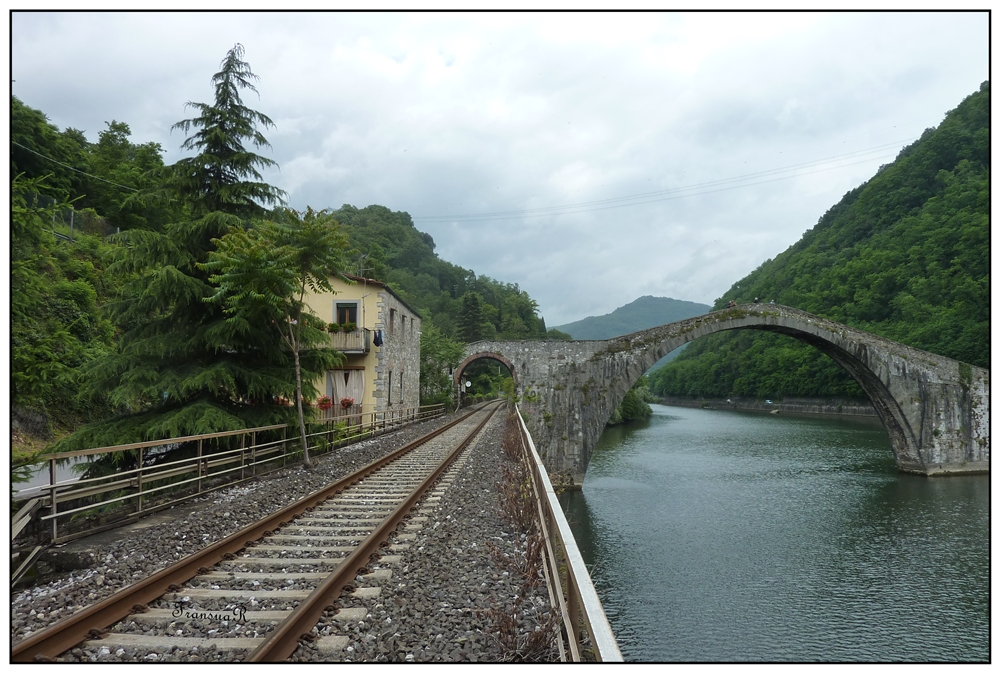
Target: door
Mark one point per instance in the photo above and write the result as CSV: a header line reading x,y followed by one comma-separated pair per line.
x,y
346,384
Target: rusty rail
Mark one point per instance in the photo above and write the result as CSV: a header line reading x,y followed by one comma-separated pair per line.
x,y
284,640
69,632
580,606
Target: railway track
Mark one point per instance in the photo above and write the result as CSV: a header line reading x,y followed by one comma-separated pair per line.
x,y
258,591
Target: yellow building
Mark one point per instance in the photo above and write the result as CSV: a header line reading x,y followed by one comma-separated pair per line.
x,y
382,369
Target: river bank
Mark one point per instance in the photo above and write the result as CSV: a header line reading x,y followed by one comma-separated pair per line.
x,y
794,405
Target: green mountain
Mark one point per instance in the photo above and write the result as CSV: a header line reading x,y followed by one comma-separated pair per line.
x,y
385,245
643,313
904,256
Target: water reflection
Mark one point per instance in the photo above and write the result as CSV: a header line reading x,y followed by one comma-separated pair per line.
x,y
725,536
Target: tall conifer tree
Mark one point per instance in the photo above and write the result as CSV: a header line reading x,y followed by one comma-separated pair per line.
x,y
180,368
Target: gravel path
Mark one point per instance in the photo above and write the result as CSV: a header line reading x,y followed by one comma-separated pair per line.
x,y
434,606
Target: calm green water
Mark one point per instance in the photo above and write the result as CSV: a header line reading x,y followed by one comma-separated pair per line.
x,y
728,536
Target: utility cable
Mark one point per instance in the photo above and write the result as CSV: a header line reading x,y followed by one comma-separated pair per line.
x,y
667,194
132,189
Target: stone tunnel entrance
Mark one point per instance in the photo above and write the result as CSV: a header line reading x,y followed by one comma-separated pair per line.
x,y
936,410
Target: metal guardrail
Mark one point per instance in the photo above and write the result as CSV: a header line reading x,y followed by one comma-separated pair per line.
x,y
219,460
579,604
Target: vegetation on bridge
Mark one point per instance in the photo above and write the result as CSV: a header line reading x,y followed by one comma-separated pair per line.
x,y
904,256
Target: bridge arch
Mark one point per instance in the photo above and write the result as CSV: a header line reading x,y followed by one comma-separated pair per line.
x,y
483,355
935,410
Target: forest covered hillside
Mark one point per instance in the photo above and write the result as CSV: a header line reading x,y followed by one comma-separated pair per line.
x,y
387,246
904,256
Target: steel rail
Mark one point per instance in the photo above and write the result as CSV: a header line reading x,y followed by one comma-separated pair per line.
x,y
284,639
67,633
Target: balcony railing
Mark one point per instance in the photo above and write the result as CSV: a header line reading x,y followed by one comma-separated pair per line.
x,y
358,341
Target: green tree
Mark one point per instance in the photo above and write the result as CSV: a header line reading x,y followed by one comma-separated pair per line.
x,y
635,404
470,318
439,355
263,274
179,367
56,326
217,178
122,173
555,335
39,149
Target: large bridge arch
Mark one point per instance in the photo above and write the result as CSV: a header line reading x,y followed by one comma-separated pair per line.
x,y
936,410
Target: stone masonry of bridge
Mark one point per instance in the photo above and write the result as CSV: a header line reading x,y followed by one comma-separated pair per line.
x,y
935,410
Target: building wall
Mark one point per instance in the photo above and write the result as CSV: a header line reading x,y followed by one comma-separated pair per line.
x,y
399,353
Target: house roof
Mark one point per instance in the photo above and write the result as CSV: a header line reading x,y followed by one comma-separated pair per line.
x,y
378,283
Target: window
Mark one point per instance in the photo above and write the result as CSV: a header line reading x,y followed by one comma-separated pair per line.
x,y
402,332
401,377
345,312
392,320
389,389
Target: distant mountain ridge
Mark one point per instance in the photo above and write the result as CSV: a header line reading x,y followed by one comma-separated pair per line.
x,y
643,313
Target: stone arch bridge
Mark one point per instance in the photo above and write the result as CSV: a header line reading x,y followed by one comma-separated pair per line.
x,y
936,410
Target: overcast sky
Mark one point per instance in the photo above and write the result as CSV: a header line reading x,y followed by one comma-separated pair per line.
x,y
592,158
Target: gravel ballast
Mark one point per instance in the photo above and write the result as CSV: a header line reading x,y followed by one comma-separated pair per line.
x,y
439,587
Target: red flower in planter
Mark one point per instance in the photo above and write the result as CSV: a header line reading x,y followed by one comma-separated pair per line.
x,y
324,403
346,402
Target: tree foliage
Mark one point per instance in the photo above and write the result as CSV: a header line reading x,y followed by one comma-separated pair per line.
x,y
439,356
470,318
180,367
225,175
635,405
388,247
56,326
904,256
263,274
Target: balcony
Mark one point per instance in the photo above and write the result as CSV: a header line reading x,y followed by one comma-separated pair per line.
x,y
358,341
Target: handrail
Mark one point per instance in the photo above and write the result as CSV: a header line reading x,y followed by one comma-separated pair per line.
x,y
582,601
177,480
156,442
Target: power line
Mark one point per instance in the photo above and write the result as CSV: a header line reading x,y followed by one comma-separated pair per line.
x,y
132,189
669,194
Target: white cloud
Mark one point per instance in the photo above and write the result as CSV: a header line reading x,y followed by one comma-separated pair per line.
x,y
465,113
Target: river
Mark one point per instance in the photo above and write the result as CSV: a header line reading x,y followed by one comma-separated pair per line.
x,y
725,536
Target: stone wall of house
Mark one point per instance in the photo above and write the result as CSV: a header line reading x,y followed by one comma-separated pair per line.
x,y
398,354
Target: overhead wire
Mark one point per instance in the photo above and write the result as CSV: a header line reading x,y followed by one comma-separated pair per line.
x,y
90,175
673,193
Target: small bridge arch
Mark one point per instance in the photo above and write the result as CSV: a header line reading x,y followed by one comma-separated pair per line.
x,y
483,355
936,410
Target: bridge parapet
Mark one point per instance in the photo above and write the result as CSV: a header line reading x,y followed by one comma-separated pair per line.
x,y
935,409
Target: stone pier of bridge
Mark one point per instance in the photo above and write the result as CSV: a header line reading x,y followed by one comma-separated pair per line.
x,y
935,410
